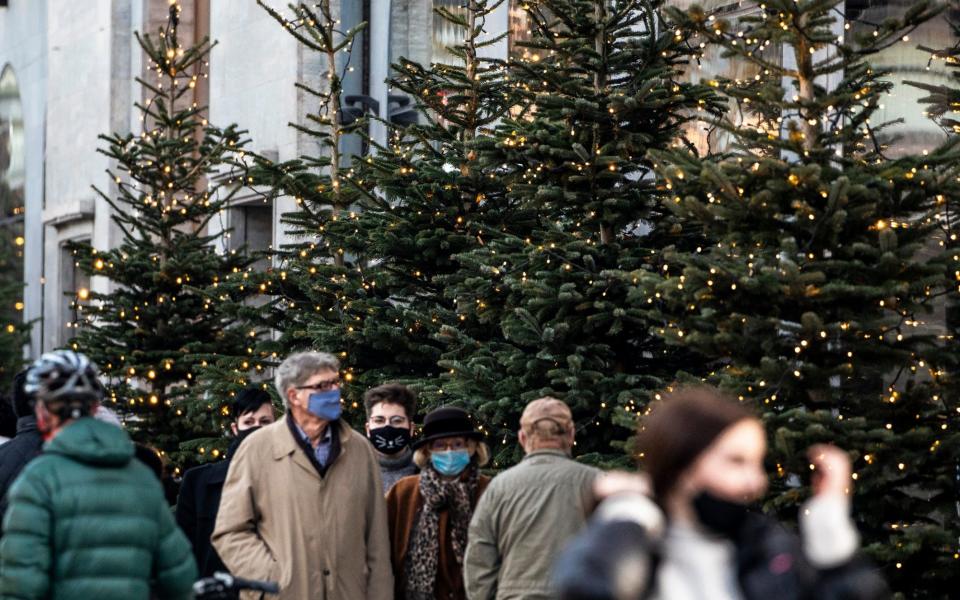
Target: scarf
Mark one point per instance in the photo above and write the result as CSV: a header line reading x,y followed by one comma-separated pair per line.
x,y
423,554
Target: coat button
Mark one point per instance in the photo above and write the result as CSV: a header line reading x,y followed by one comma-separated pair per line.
x,y
326,572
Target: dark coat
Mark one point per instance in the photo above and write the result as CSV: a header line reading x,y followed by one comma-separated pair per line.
x,y
197,507
87,521
197,504
770,564
15,454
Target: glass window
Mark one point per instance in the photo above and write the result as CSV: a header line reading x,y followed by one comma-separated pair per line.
x,y
253,229
714,65
915,132
445,33
75,289
519,23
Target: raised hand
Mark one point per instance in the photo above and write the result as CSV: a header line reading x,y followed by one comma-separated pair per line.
x,y
831,470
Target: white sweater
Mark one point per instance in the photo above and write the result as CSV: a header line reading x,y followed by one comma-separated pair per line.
x,y
698,565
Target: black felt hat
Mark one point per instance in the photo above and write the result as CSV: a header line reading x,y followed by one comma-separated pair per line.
x,y
448,421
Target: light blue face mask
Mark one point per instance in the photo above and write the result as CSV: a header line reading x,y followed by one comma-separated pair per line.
x,y
450,463
325,405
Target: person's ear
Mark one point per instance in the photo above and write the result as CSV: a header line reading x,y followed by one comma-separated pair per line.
x,y
523,438
233,427
292,397
366,427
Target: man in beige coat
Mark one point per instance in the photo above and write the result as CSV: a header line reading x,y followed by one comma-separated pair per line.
x,y
530,511
302,504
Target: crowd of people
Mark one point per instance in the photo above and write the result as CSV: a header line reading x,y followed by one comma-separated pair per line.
x,y
325,511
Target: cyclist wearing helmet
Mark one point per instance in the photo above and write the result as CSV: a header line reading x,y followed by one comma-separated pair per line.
x,y
85,520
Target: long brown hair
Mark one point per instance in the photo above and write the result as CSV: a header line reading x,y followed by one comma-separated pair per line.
x,y
679,428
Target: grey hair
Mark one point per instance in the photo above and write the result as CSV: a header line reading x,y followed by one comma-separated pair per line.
x,y
297,368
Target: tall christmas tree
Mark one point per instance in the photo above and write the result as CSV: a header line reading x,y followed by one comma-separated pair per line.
x,y
149,330
312,293
941,104
13,331
811,292
375,234
545,302
443,196
304,278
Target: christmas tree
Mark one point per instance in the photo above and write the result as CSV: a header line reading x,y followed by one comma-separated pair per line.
x,y
545,302
151,327
375,234
310,282
812,291
292,288
443,197
13,331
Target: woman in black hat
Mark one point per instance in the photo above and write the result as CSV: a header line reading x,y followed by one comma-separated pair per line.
x,y
430,512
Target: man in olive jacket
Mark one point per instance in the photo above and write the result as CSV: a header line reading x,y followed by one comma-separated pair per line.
x,y
85,520
529,512
302,505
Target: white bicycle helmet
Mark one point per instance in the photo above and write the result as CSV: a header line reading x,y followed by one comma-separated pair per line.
x,y
65,377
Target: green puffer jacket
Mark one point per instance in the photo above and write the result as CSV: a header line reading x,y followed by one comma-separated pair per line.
x,y
88,522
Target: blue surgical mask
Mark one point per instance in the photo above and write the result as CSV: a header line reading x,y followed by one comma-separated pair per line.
x,y
325,405
450,463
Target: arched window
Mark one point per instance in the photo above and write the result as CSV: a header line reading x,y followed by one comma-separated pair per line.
x,y
11,147
11,203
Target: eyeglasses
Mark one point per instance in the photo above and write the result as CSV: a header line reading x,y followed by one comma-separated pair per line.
x,y
394,421
321,386
441,445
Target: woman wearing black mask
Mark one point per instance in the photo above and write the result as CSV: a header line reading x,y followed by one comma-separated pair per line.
x,y
687,532
390,409
202,486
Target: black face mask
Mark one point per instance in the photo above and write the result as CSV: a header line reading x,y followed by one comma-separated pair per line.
x,y
720,516
241,435
389,440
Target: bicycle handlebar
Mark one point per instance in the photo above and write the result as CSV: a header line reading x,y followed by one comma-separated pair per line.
x,y
224,583
258,586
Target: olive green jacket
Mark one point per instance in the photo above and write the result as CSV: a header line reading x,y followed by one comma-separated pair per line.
x,y
521,523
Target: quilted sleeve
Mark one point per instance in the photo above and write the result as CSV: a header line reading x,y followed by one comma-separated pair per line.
x,y
25,554
175,567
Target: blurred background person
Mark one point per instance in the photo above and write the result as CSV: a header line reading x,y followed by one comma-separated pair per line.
x,y
202,486
85,519
8,420
25,445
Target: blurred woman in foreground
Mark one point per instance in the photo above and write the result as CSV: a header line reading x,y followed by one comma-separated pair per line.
x,y
687,532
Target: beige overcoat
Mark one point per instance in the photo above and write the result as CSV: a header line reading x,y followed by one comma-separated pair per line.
x,y
321,538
